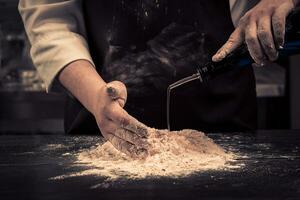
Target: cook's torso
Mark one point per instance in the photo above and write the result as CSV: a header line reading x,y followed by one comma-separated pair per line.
x,y
148,44
130,24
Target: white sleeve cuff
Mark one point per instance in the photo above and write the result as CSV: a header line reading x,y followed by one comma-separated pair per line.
x,y
53,52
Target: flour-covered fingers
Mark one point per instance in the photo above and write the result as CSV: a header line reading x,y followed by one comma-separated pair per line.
x,y
137,128
126,147
117,114
265,36
109,126
125,121
278,23
131,137
253,44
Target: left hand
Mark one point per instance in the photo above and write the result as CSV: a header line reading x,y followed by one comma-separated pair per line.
x,y
124,132
262,29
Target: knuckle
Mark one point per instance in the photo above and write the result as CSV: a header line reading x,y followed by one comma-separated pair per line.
x,y
263,34
250,29
244,20
225,51
261,12
247,15
231,40
272,7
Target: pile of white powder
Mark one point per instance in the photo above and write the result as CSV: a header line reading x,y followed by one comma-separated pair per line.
x,y
172,154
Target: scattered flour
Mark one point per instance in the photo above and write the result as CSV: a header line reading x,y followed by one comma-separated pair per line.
x,y
52,147
171,154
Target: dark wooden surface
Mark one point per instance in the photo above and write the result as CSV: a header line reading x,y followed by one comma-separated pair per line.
x,y
272,171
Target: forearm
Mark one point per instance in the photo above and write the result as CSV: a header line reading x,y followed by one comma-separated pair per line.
x,y
82,80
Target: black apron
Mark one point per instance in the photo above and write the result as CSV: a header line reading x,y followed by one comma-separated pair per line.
x,y
149,44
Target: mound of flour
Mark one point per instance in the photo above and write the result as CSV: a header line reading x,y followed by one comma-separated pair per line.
x,y
172,154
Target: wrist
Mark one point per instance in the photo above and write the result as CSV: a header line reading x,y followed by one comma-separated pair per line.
x,y
82,80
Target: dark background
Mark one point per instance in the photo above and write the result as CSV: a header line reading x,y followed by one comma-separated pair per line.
x,y
25,107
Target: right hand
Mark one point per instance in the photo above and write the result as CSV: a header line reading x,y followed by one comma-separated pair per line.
x,y
116,125
262,28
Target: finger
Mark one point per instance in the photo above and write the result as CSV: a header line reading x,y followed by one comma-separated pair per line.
x,y
265,37
116,90
234,41
278,24
124,120
131,137
253,44
108,126
117,114
126,147
137,127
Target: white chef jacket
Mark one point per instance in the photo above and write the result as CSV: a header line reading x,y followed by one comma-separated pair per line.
x,y
56,31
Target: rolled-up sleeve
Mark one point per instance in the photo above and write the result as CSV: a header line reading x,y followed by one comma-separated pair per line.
x,y
57,35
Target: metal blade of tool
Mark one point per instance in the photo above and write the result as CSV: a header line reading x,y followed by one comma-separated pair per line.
x,y
241,58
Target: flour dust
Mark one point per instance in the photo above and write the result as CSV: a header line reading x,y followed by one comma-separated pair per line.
x,y
172,154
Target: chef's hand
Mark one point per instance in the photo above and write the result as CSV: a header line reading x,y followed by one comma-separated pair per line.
x,y
117,126
262,29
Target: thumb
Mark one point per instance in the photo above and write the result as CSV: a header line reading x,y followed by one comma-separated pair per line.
x,y
234,41
117,91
